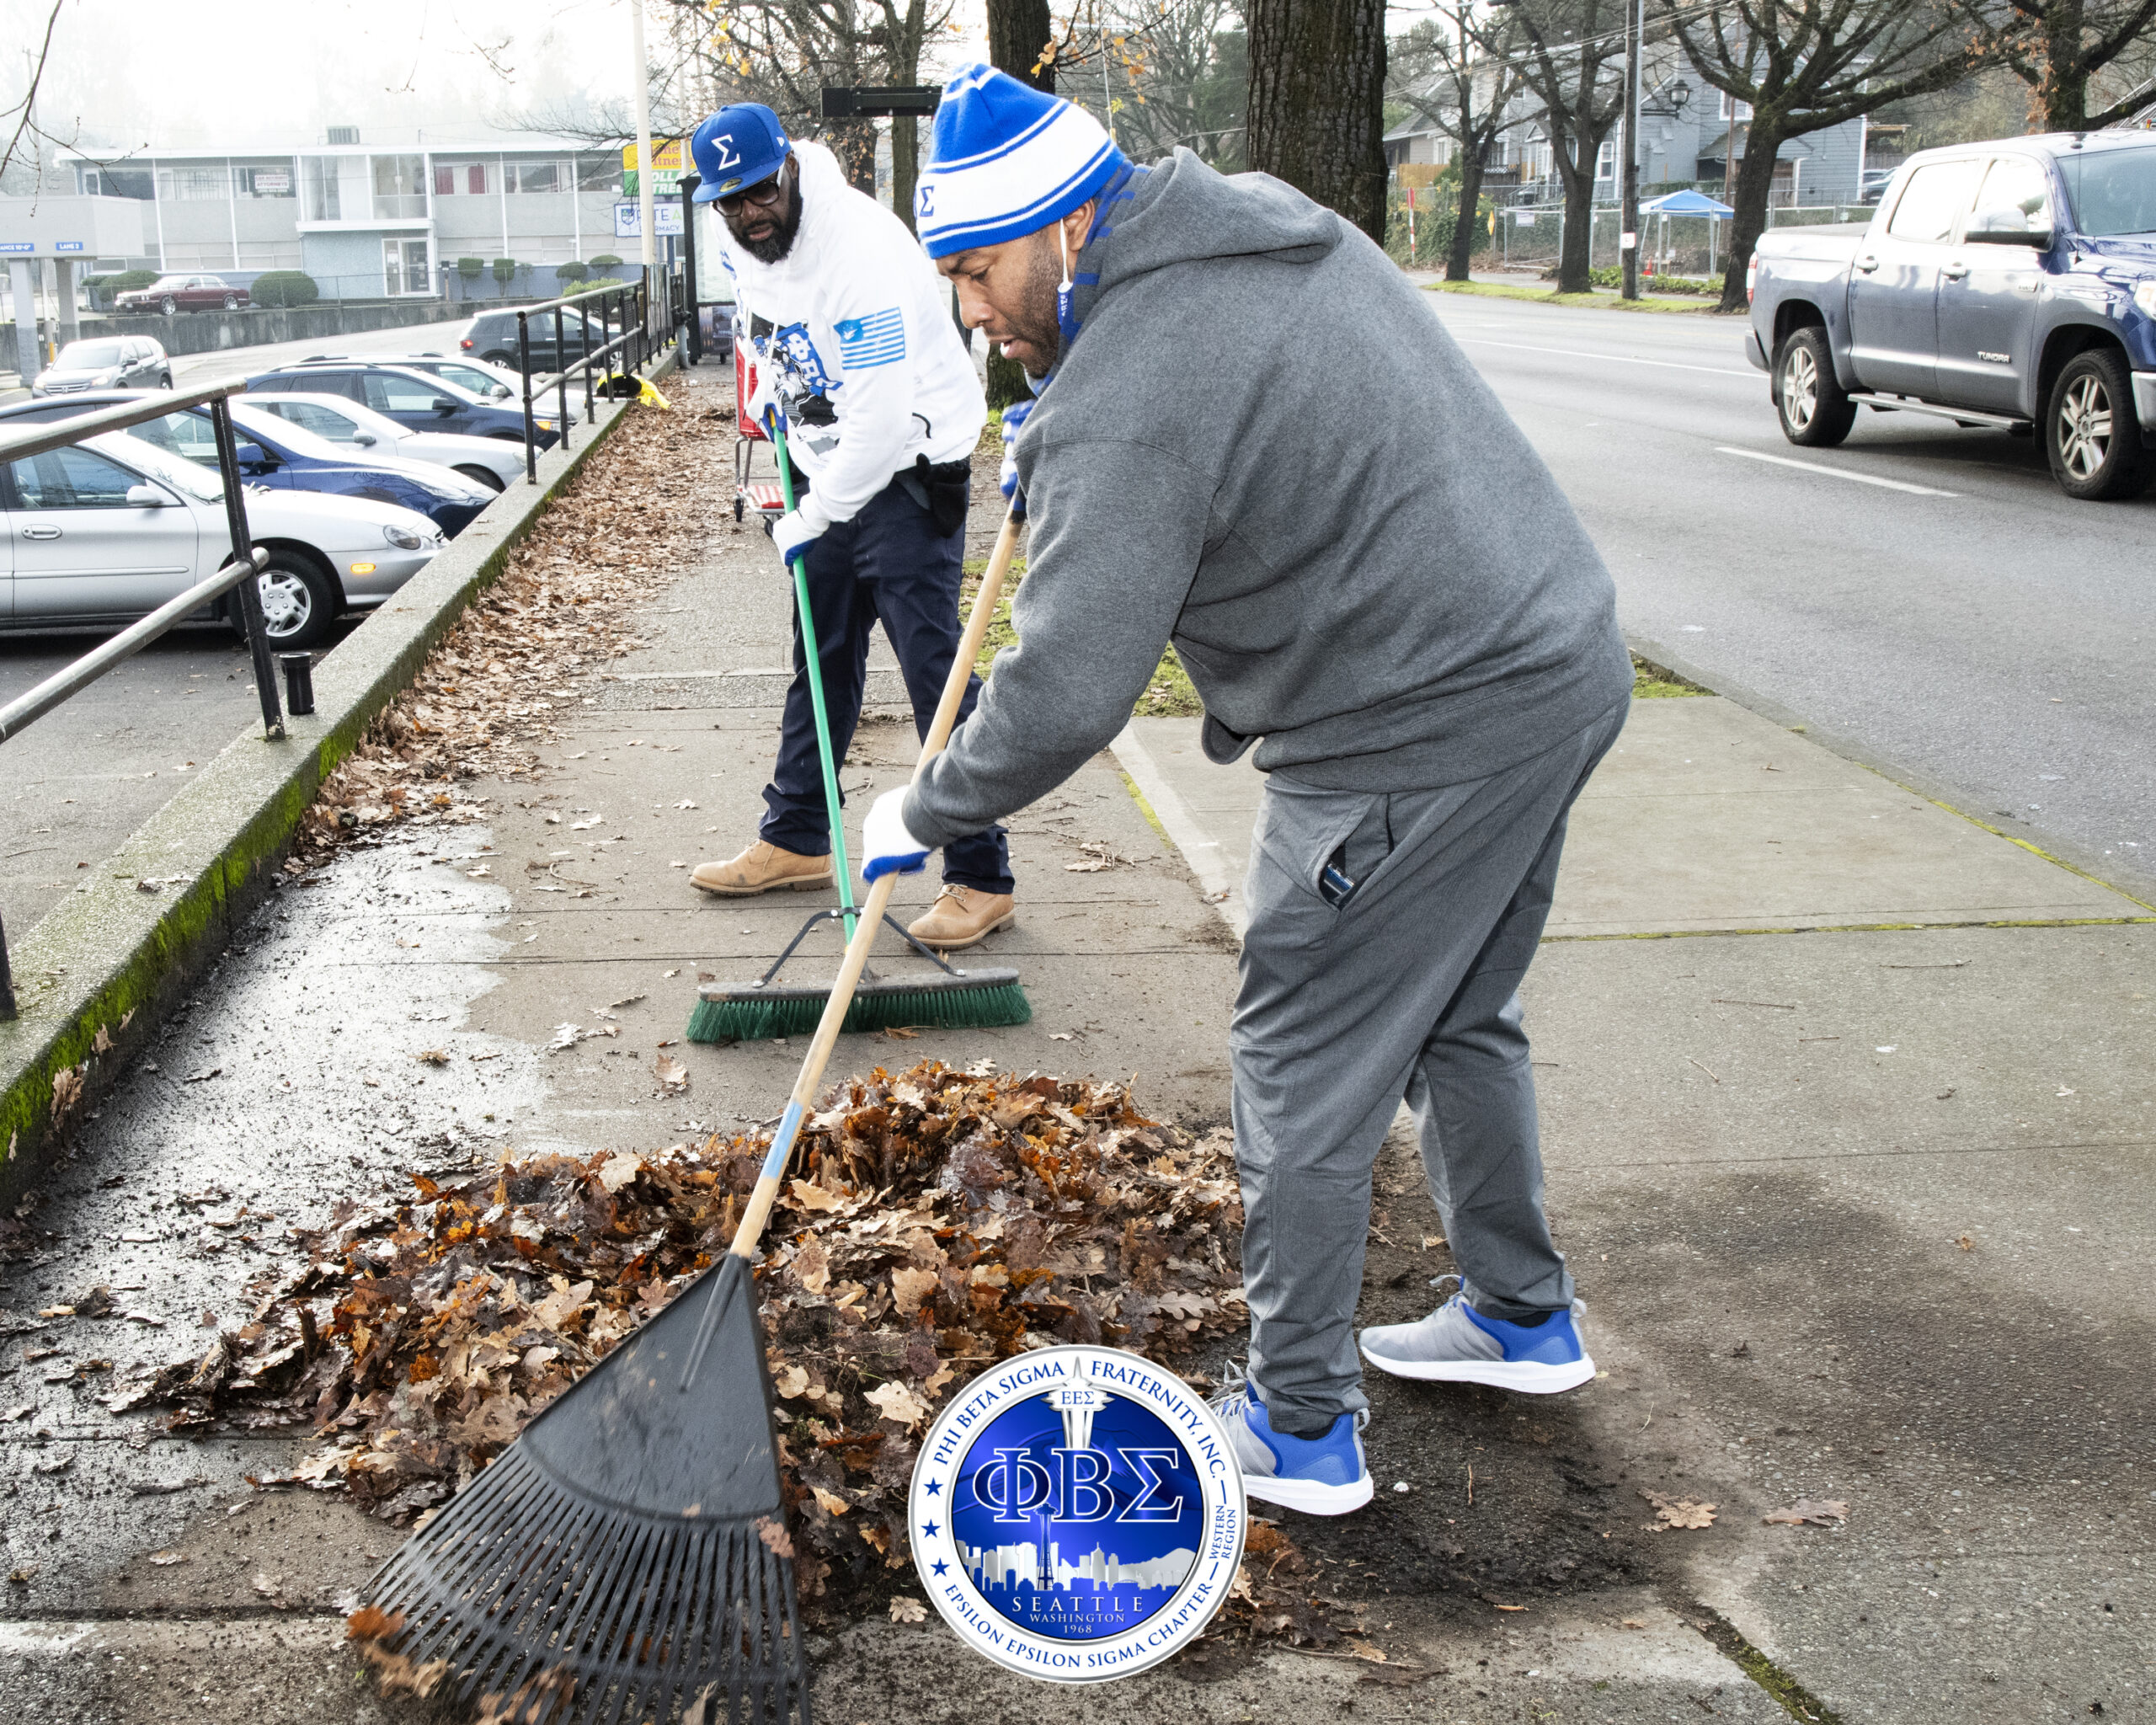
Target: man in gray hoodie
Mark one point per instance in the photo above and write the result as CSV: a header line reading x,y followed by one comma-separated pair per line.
x,y
1252,438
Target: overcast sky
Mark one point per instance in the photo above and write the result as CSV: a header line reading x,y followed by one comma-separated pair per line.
x,y
168,73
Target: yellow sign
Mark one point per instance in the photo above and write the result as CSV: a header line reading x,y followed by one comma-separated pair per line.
x,y
667,157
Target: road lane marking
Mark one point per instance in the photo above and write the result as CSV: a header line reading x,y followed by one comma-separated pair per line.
x,y
1531,347
1783,460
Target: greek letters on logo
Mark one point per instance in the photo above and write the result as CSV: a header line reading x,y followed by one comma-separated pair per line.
x,y
1077,1514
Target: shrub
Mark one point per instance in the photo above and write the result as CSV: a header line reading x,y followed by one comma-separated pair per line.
x,y
571,272
605,260
504,268
128,280
470,269
284,287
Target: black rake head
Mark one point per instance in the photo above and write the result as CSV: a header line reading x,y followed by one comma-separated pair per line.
x,y
626,1557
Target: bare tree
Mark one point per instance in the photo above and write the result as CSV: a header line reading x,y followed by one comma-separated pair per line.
x,y
25,112
1806,65
1461,73
1164,74
1316,114
2058,47
1569,54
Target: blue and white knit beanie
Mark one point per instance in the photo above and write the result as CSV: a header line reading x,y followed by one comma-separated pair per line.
x,y
1007,160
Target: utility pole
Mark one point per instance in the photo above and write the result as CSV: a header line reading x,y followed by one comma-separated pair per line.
x,y
1628,237
644,167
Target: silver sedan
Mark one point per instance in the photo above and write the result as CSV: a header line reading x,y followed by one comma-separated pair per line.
x,y
491,461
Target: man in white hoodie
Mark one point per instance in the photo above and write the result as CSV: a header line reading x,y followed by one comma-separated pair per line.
x,y
857,354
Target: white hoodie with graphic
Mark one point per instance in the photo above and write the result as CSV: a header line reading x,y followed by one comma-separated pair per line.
x,y
853,337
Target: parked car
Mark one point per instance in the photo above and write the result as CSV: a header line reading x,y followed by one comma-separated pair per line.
x,y
181,293
105,362
107,530
491,461
412,398
487,382
283,457
1876,181
492,336
2009,285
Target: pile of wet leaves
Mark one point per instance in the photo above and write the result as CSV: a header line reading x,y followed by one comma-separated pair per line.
x,y
531,647
941,1220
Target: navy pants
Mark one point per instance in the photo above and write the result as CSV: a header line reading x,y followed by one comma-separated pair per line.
x,y
888,564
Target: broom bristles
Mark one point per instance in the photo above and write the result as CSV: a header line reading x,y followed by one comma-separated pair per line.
x,y
608,1617
977,1002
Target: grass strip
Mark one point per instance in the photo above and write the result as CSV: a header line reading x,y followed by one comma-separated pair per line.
x,y
1598,300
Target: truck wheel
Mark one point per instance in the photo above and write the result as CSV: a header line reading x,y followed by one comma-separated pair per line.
x,y
1816,412
2091,431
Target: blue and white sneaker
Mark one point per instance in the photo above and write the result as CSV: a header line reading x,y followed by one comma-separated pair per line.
x,y
1322,1476
1457,1345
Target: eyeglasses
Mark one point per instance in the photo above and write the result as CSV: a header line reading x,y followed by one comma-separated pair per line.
x,y
764,195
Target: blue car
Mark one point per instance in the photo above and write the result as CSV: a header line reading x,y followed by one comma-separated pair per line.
x,y
274,453
413,398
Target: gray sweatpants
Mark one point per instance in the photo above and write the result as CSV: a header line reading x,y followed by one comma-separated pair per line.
x,y
1411,989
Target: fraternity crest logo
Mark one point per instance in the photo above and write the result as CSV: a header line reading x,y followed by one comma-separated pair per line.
x,y
1077,1514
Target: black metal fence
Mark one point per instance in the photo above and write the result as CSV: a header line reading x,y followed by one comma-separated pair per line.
x,y
243,562
634,322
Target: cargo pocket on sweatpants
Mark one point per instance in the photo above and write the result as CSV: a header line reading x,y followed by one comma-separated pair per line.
x,y
1298,831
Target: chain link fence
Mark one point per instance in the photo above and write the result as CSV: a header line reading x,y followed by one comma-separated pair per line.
x,y
1531,236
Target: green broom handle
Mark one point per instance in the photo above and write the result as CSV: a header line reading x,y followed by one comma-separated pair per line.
x,y
834,811
871,914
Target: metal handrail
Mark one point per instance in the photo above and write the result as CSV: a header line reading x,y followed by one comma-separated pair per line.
x,y
637,342
245,559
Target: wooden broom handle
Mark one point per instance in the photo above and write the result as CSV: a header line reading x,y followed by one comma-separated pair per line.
x,y
765,1194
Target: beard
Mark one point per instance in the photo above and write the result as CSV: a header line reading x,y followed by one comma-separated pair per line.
x,y
776,244
1034,323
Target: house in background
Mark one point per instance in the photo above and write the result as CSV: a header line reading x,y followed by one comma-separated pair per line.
x,y
1686,127
366,221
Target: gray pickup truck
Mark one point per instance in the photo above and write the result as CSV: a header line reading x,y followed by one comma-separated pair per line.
x,y
2009,285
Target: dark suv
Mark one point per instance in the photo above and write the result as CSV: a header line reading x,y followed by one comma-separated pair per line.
x,y
493,337
411,397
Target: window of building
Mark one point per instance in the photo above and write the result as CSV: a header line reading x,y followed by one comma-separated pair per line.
x,y
534,176
444,180
262,179
461,179
399,187
319,177
475,179
598,173
184,185
1605,160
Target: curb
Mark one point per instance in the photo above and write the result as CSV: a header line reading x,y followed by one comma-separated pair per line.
x,y
94,975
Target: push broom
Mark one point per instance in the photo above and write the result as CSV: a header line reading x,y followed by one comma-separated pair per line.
x,y
628,1555
946,996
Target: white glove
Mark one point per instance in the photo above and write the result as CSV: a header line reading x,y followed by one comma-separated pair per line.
x,y
793,535
886,846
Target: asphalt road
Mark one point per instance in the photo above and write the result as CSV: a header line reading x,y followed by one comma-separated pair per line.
x,y
1925,592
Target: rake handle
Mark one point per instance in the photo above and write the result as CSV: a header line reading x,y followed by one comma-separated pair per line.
x,y
751,1229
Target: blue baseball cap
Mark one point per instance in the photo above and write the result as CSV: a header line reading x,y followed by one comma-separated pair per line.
x,y
736,148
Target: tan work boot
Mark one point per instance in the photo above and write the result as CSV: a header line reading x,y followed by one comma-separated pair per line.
x,y
963,917
763,867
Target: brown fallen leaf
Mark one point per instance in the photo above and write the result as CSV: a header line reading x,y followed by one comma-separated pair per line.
x,y
907,1611
1366,1650
433,1056
1678,1513
673,1076
165,1560
1819,1512
1966,1243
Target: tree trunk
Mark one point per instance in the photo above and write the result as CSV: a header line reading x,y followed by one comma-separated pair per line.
x,y
1471,205
1755,183
1573,249
2064,91
1017,31
1317,99
905,164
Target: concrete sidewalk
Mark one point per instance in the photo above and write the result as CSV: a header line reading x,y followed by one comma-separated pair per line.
x,y
1856,1210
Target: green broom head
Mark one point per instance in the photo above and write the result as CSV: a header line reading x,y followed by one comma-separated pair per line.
x,y
972,1000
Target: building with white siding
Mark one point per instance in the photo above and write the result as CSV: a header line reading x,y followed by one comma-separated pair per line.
x,y
366,221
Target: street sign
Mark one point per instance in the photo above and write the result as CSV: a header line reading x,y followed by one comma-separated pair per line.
x,y
18,245
870,101
628,223
67,245
665,182
666,158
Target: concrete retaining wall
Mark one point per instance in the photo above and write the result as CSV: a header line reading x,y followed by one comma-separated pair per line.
x,y
212,332
95,974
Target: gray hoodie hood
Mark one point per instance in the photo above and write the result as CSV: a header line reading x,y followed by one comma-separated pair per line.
x,y
1261,444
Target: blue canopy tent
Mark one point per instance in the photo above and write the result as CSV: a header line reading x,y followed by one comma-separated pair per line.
x,y
1689,202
